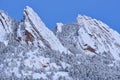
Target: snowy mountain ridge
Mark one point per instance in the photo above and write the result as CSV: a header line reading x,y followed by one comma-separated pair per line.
x,y
30,51
103,39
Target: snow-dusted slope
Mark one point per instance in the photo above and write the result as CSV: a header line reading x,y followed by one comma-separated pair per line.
x,y
98,36
35,29
90,36
5,25
30,51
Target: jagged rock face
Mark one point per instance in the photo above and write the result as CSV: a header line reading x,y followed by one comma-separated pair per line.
x,y
35,30
5,25
85,50
90,36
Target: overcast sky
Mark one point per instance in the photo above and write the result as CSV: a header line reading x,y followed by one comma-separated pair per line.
x,y
66,11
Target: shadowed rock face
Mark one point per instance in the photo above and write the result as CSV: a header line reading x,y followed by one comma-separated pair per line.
x,y
85,50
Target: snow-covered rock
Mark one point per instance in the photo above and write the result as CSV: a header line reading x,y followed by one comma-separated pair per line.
x,y
90,36
5,25
35,26
85,50
59,27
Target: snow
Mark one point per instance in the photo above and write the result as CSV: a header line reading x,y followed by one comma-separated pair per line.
x,y
65,65
5,26
98,35
36,62
54,66
30,29
1,65
5,42
59,27
2,34
85,38
38,76
43,31
6,22
58,74
16,72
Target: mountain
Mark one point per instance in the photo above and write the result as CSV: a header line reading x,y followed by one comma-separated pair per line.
x,y
89,36
87,49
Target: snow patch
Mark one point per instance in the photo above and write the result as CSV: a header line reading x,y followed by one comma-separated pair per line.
x,y
59,27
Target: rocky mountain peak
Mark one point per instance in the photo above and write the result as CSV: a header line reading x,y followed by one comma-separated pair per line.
x,y
90,36
85,50
5,21
5,25
37,32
